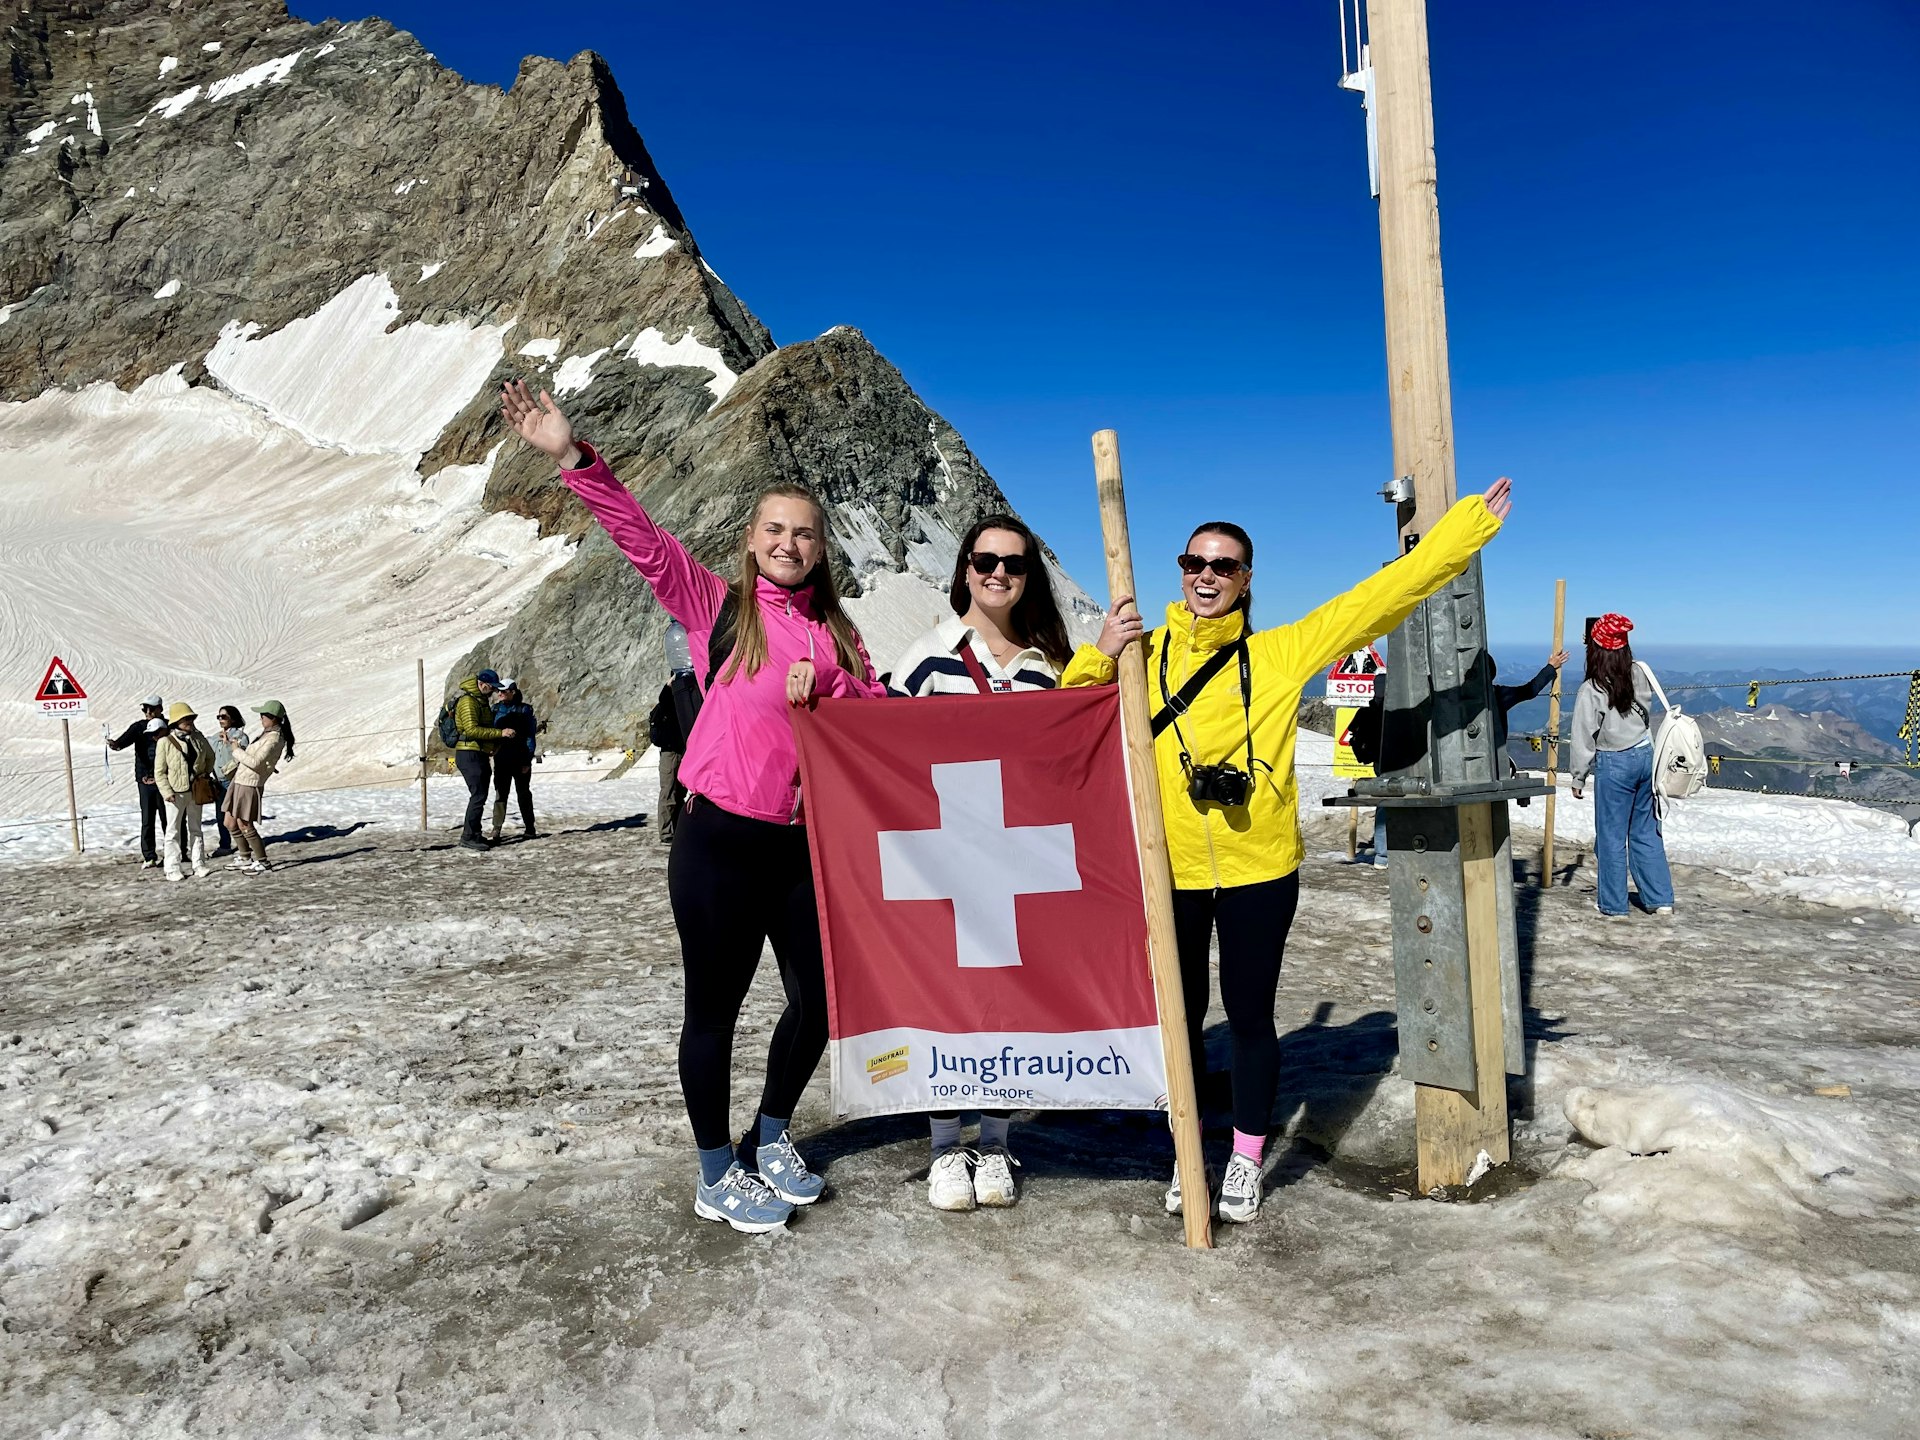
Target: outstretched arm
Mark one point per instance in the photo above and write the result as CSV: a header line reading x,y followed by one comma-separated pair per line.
x,y
686,589
1373,607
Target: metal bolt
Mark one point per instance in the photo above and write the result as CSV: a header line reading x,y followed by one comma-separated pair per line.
x,y
1424,924
1430,1007
1433,1044
1419,842
1473,732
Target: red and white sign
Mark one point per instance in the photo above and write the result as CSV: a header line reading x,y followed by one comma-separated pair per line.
x,y
60,694
980,904
1352,676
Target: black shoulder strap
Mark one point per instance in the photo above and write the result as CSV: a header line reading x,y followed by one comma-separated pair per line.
x,y
720,643
1178,703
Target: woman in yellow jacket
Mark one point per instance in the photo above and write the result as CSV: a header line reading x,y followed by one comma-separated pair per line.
x,y
1227,783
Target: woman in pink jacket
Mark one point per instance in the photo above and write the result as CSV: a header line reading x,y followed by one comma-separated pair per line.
x,y
739,875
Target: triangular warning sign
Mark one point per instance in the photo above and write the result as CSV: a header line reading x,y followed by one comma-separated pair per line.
x,y
59,683
1361,664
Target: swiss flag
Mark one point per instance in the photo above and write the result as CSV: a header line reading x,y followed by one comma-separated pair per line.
x,y
980,903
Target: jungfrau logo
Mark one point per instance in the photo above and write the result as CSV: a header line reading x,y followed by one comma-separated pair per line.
x,y
888,1065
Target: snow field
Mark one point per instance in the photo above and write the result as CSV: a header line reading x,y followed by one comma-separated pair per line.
x,y
390,1142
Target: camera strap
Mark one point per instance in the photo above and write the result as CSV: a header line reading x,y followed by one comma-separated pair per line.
x,y
1173,705
1178,705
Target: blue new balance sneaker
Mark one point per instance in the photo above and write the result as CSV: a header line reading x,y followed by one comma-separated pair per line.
x,y
743,1201
786,1174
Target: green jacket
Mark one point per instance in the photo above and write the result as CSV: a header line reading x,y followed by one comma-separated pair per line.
x,y
471,715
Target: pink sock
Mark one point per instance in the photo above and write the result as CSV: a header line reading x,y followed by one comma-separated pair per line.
x,y
1249,1145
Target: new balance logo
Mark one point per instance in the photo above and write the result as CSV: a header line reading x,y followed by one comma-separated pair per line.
x,y
732,1202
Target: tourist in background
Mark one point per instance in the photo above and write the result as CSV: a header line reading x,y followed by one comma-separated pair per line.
x,y
478,738
183,775
1612,747
231,731
513,757
254,764
143,734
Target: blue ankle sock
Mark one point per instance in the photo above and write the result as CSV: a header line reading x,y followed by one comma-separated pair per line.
x,y
993,1130
771,1129
714,1163
946,1134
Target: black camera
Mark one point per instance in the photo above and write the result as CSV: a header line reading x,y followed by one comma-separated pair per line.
x,y
1224,784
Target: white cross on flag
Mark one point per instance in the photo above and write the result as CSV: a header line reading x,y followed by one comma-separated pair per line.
x,y
980,904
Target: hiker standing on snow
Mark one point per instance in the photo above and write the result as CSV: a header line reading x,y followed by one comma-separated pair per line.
x,y
143,734
232,731
1233,833
1612,742
477,738
254,764
1006,635
513,757
739,875
183,774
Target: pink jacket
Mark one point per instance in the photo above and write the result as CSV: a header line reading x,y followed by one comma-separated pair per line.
x,y
741,755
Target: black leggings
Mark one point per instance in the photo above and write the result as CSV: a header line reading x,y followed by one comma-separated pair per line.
x,y
509,776
1253,921
736,883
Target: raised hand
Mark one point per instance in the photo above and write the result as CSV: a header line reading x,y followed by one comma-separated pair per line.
x,y
1499,498
1121,630
542,424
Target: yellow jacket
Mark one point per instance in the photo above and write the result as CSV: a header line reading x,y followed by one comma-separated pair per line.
x,y
1212,846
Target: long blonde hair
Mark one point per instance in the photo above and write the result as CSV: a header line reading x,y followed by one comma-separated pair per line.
x,y
750,630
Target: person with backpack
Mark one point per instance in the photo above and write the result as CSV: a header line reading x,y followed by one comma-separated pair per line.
x,y
1227,700
1005,635
143,735
740,876
1613,748
466,727
254,764
183,774
513,758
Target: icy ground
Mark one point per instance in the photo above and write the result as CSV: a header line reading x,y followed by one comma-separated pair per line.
x,y
389,1143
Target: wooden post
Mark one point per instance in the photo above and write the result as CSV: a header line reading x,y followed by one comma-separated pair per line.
x,y
73,805
1353,833
420,675
1453,1126
1156,874
1553,729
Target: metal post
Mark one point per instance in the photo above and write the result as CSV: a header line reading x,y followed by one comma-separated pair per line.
x,y
73,805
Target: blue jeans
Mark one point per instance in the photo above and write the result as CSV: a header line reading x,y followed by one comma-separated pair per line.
x,y
1626,832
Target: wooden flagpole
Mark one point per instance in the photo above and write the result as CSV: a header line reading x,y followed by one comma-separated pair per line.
x,y
420,676
73,805
1553,729
1156,873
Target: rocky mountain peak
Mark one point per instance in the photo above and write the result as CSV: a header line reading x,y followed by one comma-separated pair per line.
x,y
322,226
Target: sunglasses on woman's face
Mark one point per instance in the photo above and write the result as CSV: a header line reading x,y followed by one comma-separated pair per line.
x,y
1223,566
985,562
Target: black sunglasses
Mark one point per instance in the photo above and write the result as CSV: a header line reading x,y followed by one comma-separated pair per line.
x,y
985,562
1223,566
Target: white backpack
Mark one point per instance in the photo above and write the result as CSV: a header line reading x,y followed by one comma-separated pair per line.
x,y
1679,752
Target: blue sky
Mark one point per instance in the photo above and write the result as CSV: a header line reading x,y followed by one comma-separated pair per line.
x,y
1679,247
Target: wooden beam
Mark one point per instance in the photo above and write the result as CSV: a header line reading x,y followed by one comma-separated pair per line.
x,y
1453,1126
1156,873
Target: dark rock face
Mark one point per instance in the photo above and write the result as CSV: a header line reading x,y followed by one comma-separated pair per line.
x,y
151,206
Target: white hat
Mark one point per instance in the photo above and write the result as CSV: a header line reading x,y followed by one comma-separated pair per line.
x,y
156,724
507,682
153,702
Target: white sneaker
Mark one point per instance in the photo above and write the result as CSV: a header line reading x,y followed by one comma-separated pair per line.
x,y
1240,1190
1173,1190
241,861
148,864
258,867
993,1182
950,1181
1663,910
176,875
